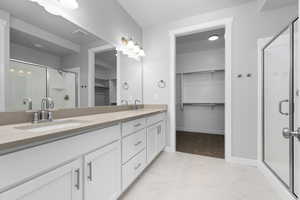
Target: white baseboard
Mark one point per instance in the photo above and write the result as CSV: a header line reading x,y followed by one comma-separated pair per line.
x,y
277,185
170,149
242,161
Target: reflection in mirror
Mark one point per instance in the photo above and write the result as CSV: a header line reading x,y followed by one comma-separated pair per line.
x,y
50,57
131,87
106,77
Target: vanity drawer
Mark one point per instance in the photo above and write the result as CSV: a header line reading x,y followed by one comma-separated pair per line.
x,y
132,169
133,144
133,126
156,118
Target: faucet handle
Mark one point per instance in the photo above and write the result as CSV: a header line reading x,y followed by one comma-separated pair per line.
x,y
50,116
137,101
51,104
35,117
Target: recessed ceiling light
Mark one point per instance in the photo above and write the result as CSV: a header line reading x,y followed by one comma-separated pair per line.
x,y
213,37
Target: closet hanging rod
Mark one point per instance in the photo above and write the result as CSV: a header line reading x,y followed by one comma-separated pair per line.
x,y
202,71
203,104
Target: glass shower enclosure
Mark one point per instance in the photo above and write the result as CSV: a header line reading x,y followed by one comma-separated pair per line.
x,y
278,104
32,81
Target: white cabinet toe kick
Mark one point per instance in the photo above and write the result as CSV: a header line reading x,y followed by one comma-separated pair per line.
x,y
100,164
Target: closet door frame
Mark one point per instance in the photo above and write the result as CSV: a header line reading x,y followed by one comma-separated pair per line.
x,y
222,23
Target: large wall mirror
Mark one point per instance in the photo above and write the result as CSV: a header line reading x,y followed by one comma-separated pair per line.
x,y
49,56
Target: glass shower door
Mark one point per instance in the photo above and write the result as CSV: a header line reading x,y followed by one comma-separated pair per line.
x,y
61,87
278,101
25,80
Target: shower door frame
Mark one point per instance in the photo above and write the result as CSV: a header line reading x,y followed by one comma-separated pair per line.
x,y
48,77
261,138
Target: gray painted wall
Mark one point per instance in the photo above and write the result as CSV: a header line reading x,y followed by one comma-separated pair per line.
x,y
249,25
107,20
27,54
81,60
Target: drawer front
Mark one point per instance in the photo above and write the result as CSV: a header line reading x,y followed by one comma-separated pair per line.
x,y
132,169
133,126
133,144
156,118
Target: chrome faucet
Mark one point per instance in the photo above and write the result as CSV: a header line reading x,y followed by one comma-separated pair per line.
x,y
45,114
124,101
135,104
28,100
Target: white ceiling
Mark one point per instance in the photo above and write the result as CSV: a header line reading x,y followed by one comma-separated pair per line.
x,y
34,14
273,4
199,41
152,12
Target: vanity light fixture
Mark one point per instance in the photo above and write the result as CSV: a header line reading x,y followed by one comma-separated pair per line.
x,y
12,70
213,37
56,7
142,53
131,49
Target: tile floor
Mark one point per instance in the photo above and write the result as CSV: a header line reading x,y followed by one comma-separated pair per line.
x,y
181,176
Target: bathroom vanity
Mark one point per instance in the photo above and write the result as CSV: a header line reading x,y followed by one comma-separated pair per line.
x,y
98,157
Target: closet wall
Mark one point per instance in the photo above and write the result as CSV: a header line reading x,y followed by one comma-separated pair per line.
x,y
200,85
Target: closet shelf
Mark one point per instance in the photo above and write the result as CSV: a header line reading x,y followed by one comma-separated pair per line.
x,y
202,71
101,86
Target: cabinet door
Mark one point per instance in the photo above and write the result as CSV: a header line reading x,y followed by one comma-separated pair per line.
x,y
161,136
103,173
63,183
152,145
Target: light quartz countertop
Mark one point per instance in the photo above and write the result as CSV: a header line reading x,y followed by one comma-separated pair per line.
x,y
14,139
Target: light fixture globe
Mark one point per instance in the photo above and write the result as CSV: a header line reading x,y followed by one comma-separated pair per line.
x,y
56,7
69,4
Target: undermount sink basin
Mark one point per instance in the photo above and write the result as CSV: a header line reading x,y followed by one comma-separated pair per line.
x,y
49,126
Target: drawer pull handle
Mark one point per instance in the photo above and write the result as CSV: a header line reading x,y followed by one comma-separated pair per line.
x,y
137,125
138,166
77,185
90,176
138,143
159,130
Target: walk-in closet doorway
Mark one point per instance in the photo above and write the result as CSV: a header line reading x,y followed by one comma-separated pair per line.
x,y
201,63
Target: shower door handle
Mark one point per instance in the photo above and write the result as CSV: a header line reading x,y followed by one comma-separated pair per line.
x,y
287,133
280,107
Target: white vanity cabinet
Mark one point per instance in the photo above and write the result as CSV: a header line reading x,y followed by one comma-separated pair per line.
x,y
141,146
102,173
161,143
156,136
98,164
155,140
63,183
152,142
